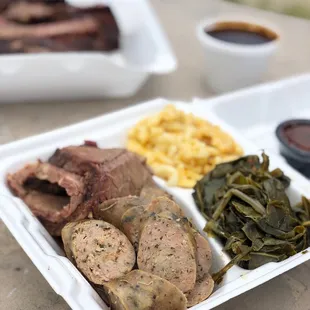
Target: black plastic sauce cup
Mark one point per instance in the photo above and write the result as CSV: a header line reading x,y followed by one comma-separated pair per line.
x,y
297,156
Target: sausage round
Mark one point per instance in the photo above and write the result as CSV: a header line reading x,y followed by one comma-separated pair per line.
x,y
66,234
204,255
166,250
101,251
144,291
112,210
131,222
151,191
161,204
202,290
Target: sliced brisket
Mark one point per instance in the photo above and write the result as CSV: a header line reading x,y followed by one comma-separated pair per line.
x,y
54,26
83,25
82,159
76,179
50,192
25,12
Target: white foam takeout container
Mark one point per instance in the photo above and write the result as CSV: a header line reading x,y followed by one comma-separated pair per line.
x,y
144,50
257,111
110,131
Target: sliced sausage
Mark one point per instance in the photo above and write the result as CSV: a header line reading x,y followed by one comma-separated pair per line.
x,y
101,251
202,290
204,282
112,210
166,250
167,207
66,234
131,222
183,223
140,290
161,204
134,219
204,256
151,191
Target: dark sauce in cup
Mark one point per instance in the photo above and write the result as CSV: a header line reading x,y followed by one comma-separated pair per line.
x,y
294,138
241,33
298,135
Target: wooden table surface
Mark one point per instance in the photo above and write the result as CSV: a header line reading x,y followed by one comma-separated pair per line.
x,y
21,286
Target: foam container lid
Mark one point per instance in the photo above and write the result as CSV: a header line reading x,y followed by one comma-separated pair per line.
x,y
144,50
110,131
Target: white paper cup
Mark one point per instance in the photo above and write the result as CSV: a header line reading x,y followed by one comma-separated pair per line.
x,y
230,66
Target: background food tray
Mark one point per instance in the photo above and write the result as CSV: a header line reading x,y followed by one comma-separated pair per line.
x,y
110,131
144,50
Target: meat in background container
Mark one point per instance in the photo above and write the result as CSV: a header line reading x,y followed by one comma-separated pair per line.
x,y
144,50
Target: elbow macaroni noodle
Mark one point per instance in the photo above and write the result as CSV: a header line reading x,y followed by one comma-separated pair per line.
x,y
181,147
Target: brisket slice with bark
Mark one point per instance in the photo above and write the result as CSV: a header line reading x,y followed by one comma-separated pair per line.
x,y
76,179
82,25
50,192
42,26
25,12
108,173
82,159
63,43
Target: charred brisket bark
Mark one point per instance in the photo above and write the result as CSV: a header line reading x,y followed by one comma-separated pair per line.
x,y
76,179
33,26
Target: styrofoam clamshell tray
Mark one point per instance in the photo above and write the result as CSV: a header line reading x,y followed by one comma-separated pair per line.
x,y
144,50
256,112
110,131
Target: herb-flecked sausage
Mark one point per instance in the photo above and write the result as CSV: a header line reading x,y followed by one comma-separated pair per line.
x,y
161,204
112,210
166,250
101,251
140,290
151,191
204,283
134,219
202,290
204,255
66,234
131,222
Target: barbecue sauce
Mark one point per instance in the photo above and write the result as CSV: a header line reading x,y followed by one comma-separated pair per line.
x,y
241,33
298,135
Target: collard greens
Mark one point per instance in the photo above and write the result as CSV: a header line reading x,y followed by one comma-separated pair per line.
x,y
247,208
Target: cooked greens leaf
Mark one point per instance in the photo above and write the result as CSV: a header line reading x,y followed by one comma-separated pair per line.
x,y
260,258
248,209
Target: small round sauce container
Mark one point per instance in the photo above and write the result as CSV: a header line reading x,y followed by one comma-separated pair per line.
x,y
237,51
294,137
